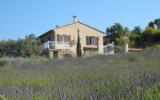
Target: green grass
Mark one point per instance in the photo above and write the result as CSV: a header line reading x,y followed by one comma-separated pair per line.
x,y
134,76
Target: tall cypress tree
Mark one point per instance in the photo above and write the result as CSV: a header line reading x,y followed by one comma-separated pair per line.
x,y
79,52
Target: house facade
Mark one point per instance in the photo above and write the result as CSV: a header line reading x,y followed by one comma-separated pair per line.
x,y
61,41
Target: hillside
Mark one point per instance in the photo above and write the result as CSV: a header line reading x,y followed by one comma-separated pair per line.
x,y
134,76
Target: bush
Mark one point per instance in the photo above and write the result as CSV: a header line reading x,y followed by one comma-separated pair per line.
x,y
150,36
2,98
3,63
27,47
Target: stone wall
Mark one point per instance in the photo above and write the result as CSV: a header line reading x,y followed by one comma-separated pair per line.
x,y
61,53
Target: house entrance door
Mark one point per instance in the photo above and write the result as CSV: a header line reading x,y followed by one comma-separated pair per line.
x,y
55,54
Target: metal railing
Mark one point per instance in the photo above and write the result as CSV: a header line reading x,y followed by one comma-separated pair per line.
x,y
52,44
48,45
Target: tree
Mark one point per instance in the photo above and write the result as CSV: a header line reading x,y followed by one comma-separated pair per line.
x,y
79,52
150,36
157,23
118,34
123,39
151,24
31,46
134,37
20,48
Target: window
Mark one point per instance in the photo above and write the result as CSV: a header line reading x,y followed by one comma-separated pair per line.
x,y
92,40
63,38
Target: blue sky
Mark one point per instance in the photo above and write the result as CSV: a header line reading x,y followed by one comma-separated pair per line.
x,y
22,17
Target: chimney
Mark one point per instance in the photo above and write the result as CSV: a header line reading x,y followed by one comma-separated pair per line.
x,y
57,26
75,19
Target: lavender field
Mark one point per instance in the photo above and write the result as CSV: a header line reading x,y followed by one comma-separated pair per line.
x,y
134,76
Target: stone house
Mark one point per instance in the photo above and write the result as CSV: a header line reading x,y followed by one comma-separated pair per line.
x,y
61,41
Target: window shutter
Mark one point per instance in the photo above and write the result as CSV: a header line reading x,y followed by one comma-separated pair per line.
x,y
97,40
69,38
58,37
87,40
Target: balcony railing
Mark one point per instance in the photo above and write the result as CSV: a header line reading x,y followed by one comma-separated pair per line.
x,y
52,45
48,45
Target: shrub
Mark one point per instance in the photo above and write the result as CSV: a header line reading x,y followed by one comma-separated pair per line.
x,y
150,36
3,63
2,98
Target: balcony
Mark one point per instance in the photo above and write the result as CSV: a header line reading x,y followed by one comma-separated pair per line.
x,y
53,45
48,45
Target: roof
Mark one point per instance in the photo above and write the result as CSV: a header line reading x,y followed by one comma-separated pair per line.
x,y
82,24
45,33
72,24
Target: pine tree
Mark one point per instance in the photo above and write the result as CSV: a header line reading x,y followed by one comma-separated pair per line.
x,y
79,52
